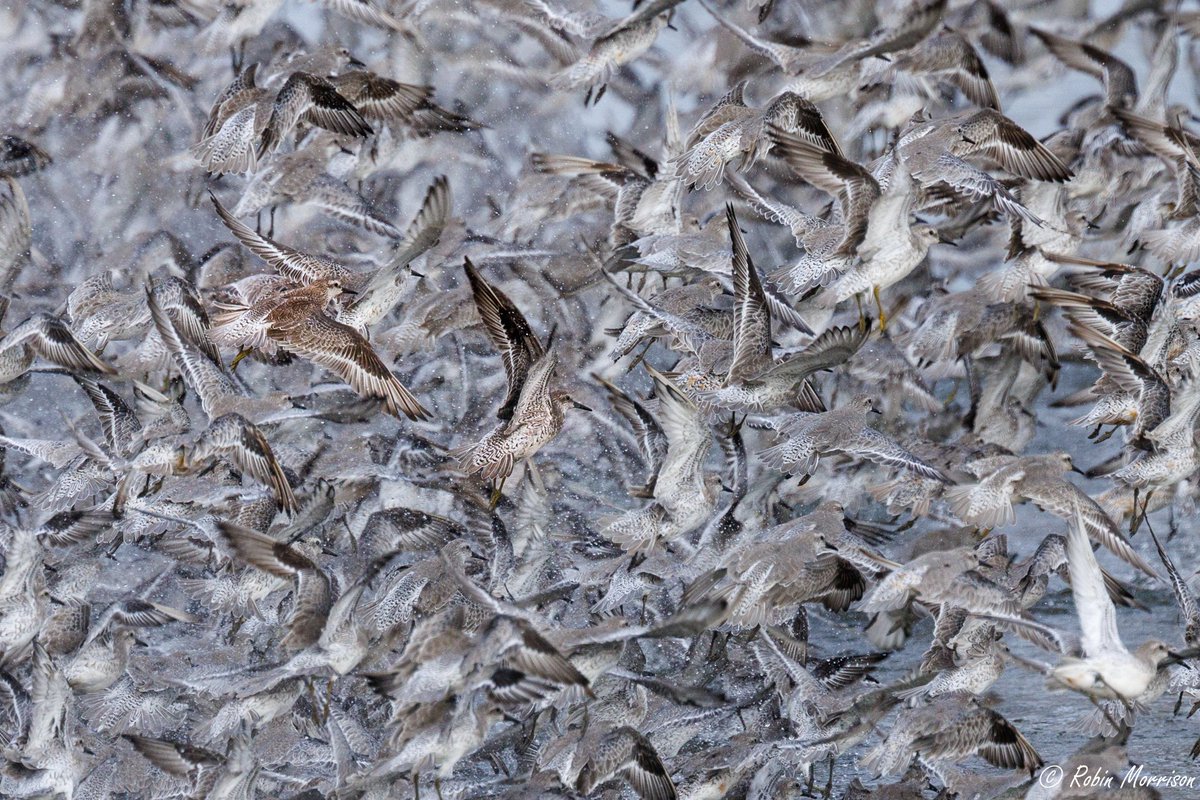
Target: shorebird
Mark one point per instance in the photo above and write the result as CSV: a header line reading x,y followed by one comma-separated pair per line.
x,y
939,576
626,753
950,728
663,617
315,100
20,157
16,230
272,312
533,413
312,593
875,229
48,337
731,130
948,56
612,49
1098,666
235,439
1039,479
406,107
806,437
684,495
754,381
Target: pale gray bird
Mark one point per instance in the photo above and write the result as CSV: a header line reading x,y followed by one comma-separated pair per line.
x,y
806,437
1041,480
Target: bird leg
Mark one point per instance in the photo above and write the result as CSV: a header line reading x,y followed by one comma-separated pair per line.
x,y
638,358
245,351
437,785
862,318
1145,519
1138,519
495,500
1106,436
271,230
1133,518
832,759
879,305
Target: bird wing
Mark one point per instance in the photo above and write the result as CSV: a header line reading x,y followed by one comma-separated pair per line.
x,y
831,348
1184,596
855,188
651,439
51,339
534,400
121,425
510,333
688,436
344,352
751,318
318,102
291,264
244,444
874,446
985,732
1097,614
626,752
1048,495
383,289
380,98
1012,147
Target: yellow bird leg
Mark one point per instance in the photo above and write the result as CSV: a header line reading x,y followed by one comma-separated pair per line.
x,y
245,351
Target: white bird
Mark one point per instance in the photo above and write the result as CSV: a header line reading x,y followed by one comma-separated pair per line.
x,y
1107,669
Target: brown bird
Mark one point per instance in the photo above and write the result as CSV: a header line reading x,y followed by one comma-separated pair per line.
x,y
533,412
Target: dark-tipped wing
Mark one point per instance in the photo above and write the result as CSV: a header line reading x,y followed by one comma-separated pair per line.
x,y
121,425
1120,81
265,553
1012,147
344,352
985,732
318,102
175,759
855,187
291,264
751,317
651,439
51,339
626,753
380,98
510,334
244,445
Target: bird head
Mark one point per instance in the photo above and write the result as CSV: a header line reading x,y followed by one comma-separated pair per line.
x,y
565,402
